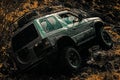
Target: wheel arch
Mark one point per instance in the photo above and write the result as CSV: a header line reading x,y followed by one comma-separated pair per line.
x,y
98,25
65,41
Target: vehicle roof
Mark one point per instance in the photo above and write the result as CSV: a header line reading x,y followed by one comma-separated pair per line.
x,y
53,13
43,16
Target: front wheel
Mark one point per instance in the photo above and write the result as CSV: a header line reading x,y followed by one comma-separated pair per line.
x,y
104,40
70,60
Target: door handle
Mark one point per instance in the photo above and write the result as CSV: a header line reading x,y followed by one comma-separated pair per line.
x,y
74,28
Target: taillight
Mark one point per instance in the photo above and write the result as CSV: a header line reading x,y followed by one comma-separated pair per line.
x,y
46,42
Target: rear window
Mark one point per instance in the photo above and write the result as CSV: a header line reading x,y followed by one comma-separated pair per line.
x,y
24,37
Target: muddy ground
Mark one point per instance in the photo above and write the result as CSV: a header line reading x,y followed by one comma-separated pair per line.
x,y
106,67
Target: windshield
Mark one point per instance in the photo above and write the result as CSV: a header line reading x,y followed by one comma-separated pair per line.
x,y
68,18
24,37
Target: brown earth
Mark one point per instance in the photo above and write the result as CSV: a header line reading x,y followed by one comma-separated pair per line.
x,y
108,10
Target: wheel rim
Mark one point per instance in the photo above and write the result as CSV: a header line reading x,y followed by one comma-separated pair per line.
x,y
73,59
106,37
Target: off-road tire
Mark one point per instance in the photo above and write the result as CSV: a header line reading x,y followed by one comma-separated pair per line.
x,y
104,39
70,60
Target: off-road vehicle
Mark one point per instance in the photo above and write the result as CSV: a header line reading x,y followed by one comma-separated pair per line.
x,y
58,38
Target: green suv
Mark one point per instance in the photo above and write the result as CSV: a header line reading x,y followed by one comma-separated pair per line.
x,y
60,38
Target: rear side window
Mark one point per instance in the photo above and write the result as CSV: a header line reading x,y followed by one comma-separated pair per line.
x,y
46,26
50,24
54,22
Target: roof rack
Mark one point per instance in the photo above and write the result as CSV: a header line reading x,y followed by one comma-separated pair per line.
x,y
35,13
21,21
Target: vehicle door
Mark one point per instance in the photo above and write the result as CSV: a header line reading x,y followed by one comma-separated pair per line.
x,y
77,28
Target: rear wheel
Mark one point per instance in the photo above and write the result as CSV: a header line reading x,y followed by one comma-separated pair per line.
x,y
70,60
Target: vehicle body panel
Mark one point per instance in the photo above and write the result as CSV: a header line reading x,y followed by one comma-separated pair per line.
x,y
80,32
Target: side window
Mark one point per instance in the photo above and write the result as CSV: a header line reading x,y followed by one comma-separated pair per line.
x,y
46,26
54,22
50,24
68,18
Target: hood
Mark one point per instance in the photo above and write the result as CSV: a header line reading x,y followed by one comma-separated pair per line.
x,y
92,19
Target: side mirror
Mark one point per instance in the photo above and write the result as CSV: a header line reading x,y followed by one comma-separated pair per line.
x,y
80,17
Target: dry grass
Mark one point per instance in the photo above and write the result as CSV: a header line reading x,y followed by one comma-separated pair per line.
x,y
105,76
117,7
